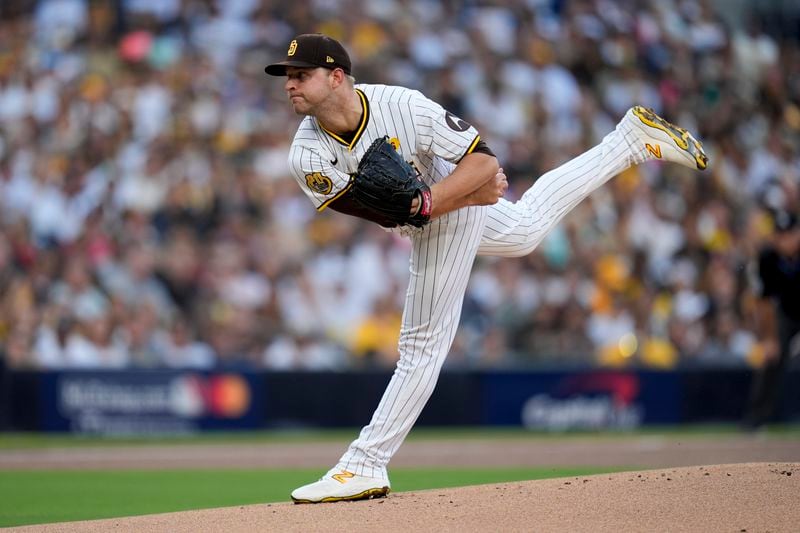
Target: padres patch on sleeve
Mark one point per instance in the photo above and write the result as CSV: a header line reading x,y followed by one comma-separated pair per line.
x,y
319,183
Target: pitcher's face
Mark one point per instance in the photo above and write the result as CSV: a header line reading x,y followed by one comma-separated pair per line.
x,y
307,88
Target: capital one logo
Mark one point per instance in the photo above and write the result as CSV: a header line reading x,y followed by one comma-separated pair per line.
x,y
593,401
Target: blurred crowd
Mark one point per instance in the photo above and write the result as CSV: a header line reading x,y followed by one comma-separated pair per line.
x,y
148,218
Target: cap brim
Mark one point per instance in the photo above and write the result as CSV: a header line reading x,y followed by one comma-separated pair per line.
x,y
279,69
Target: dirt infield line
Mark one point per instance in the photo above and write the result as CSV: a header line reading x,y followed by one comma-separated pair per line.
x,y
639,451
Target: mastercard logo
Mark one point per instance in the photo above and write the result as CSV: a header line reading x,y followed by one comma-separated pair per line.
x,y
228,396
220,396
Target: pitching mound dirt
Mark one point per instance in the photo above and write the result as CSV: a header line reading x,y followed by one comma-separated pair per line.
x,y
738,498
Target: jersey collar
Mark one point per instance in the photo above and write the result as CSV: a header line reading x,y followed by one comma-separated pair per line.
x,y
361,127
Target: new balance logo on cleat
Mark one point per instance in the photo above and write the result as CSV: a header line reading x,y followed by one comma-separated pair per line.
x,y
655,151
664,140
345,475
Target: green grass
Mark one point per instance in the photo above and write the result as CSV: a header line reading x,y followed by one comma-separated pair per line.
x,y
33,497
10,441
37,497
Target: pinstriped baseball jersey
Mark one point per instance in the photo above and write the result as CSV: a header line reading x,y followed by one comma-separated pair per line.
x,y
424,133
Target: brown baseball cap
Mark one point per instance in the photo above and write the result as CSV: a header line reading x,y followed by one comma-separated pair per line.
x,y
312,50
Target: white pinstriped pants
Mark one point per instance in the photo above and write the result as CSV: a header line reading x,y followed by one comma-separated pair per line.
x,y
441,260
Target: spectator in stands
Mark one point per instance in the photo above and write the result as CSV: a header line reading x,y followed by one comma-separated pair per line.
x,y
136,142
50,341
180,348
95,343
376,337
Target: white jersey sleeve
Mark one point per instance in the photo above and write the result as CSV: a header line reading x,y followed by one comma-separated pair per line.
x,y
314,171
440,132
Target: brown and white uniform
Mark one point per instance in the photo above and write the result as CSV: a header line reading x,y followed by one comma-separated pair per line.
x,y
443,251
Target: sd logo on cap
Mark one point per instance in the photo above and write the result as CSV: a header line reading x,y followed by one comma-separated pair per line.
x,y
312,50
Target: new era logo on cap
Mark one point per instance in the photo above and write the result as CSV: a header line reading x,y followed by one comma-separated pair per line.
x,y
312,50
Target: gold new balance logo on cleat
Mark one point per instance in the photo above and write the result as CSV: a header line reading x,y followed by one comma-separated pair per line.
x,y
343,476
655,151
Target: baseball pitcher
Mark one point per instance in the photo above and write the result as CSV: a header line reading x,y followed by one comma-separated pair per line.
x,y
392,156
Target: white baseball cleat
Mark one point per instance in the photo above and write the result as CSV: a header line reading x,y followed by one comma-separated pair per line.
x,y
663,140
341,486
